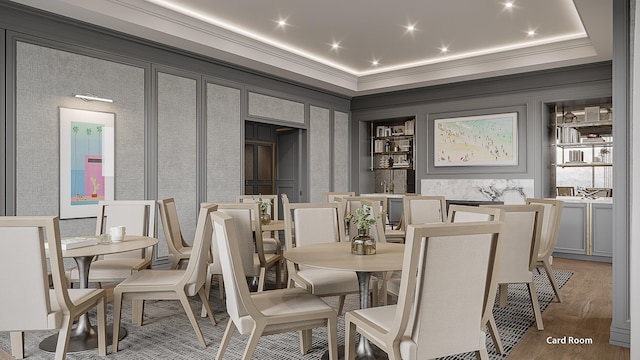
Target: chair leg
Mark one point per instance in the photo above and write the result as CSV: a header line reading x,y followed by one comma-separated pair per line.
x,y
117,313
495,335
63,338
192,318
482,354
137,308
101,315
332,332
253,341
278,266
552,278
503,294
341,304
261,278
207,292
535,305
306,338
228,332
17,344
220,286
206,307
349,340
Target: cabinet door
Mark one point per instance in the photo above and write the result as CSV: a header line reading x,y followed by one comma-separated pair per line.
x,y
572,236
602,229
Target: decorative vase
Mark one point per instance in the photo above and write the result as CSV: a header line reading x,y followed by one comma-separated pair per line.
x,y
265,218
363,244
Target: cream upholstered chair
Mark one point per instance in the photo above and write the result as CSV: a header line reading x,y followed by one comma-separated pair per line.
x,y
465,213
271,239
549,237
416,210
179,250
317,223
523,226
268,312
333,196
32,305
433,318
172,284
138,216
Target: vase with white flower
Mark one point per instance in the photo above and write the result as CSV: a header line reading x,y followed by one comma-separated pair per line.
x,y
265,216
363,243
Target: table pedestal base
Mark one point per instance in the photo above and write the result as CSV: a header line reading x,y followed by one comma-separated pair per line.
x,y
83,341
363,352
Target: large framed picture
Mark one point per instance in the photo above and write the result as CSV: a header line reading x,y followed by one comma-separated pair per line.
x,y
486,140
86,161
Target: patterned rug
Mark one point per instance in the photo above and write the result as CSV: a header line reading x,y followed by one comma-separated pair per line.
x,y
167,333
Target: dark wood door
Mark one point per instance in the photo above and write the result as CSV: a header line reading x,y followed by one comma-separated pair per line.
x,y
259,168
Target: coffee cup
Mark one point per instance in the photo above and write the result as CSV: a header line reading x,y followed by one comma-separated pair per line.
x,y
116,233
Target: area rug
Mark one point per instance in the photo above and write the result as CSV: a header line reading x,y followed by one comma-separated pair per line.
x,y
167,333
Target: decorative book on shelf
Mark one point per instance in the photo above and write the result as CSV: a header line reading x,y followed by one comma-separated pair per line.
x,y
76,242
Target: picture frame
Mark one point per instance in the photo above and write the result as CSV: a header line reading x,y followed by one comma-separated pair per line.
x,y
483,140
87,162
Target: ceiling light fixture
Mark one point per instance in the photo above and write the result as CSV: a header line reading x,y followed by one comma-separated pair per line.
x,y
531,33
411,28
91,97
282,23
375,62
444,49
335,46
508,4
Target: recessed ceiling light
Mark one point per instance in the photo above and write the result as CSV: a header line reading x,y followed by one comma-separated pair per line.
x,y
375,62
282,23
531,32
508,4
411,27
444,49
335,45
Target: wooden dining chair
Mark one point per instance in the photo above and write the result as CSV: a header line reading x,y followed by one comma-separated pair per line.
x,y
317,223
333,196
269,312
171,284
27,302
433,318
179,250
138,216
270,239
549,237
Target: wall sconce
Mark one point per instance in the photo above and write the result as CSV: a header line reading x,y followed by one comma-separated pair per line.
x,y
91,97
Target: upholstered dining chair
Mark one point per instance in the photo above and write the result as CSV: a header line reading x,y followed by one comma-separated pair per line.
x,y
523,227
466,213
268,312
138,216
317,223
333,196
32,305
172,284
432,318
270,239
179,250
549,237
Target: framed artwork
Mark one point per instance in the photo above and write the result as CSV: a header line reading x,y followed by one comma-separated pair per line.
x,y
486,140
86,161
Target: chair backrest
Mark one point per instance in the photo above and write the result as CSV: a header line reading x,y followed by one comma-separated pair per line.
x,y
171,225
239,303
138,216
247,228
441,318
600,192
272,200
333,196
523,227
25,304
465,213
313,223
348,205
424,210
196,272
550,224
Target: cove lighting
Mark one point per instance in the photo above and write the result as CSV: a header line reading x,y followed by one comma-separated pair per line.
x,y
90,97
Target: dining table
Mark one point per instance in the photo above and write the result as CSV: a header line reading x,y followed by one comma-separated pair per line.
x,y
84,336
338,256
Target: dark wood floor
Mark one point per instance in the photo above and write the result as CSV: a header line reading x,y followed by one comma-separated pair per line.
x,y
584,313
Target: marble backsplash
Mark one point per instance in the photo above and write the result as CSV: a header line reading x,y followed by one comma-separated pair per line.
x,y
509,191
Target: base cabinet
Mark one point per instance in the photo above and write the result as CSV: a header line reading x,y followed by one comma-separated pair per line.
x,y
586,231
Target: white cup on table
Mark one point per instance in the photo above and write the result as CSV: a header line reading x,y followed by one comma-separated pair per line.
x,y
116,233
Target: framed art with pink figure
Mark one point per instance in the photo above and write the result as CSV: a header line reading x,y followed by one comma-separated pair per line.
x,y
86,161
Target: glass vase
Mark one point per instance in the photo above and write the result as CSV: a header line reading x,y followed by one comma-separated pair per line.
x,y
265,218
363,244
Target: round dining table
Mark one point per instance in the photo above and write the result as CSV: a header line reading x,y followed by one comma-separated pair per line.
x,y
84,335
337,256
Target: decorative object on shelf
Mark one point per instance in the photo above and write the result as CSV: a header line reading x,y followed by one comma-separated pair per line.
x,y
485,140
569,117
363,243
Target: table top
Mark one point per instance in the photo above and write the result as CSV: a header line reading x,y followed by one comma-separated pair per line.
x,y
130,242
337,256
274,225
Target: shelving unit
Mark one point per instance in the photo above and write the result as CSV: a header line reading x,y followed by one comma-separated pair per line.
x,y
392,154
583,139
